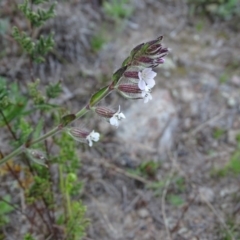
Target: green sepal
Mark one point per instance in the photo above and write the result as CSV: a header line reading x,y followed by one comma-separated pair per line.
x,y
136,50
98,96
127,61
118,74
65,120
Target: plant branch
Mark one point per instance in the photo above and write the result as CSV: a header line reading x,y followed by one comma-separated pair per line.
x,y
57,129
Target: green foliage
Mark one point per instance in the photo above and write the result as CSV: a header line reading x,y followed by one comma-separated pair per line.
x,y
41,186
25,110
175,200
180,184
233,229
53,90
65,120
25,42
77,224
38,18
117,9
69,165
38,48
232,167
224,77
146,169
97,42
98,95
24,129
223,9
218,133
28,236
34,93
4,99
12,102
5,208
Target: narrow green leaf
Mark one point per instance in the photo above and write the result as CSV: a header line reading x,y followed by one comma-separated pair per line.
x,y
67,119
118,74
98,96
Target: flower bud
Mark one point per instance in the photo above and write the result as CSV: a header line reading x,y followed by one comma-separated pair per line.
x,y
129,88
78,132
131,74
136,49
112,116
83,135
104,111
36,156
130,91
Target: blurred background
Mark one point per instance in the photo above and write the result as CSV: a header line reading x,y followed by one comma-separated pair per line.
x,y
172,169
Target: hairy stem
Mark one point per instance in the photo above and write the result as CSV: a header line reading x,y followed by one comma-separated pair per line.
x,y
57,129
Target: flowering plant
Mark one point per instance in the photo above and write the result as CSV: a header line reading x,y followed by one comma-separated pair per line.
x,y
134,80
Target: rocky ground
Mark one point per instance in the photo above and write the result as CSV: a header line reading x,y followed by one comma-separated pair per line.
x,y
156,176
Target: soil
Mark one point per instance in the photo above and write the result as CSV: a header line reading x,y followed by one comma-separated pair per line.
x,y
182,197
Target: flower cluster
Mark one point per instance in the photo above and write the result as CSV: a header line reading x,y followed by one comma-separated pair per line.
x,y
138,79
134,80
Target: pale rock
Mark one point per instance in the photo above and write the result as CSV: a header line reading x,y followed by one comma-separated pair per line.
x,y
231,136
150,127
206,194
228,191
143,213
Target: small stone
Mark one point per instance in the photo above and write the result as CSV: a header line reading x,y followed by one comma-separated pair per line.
x,y
235,80
231,102
206,194
231,136
143,213
128,220
228,191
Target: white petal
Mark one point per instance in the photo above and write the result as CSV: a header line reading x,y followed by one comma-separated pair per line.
x,y
152,74
140,75
121,115
147,97
150,83
90,143
141,84
114,121
95,136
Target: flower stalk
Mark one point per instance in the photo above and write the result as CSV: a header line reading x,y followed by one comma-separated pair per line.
x,y
134,80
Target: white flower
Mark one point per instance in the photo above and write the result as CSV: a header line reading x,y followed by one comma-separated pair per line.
x,y
146,78
146,94
116,117
93,136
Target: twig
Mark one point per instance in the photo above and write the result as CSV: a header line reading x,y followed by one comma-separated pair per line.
x,y
185,209
123,172
8,125
209,121
164,194
221,220
174,167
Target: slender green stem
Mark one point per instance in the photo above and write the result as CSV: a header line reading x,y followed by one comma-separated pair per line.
x,y
83,111
11,155
68,202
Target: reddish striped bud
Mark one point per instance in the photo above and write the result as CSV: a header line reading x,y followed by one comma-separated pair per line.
x,y
129,88
78,133
104,112
131,74
83,135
